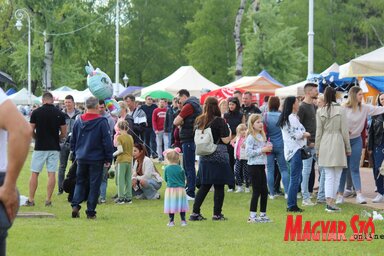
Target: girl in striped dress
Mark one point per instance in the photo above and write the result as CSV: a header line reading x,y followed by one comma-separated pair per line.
x,y
175,199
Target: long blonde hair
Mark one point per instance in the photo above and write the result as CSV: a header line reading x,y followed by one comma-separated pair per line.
x,y
352,98
239,128
251,131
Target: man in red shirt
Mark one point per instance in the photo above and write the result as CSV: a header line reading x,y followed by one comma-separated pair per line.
x,y
158,118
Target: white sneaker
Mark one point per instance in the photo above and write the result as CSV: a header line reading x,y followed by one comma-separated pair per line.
x,y
307,202
230,190
247,190
286,196
348,193
189,198
271,197
239,189
339,199
298,195
360,199
378,199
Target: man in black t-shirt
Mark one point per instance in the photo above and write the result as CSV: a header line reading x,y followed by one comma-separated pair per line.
x,y
49,127
248,108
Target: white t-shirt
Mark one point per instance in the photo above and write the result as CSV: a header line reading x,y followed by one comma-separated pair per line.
x,y
3,139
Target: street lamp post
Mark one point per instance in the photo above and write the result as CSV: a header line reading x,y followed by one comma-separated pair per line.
x,y
125,80
19,14
117,63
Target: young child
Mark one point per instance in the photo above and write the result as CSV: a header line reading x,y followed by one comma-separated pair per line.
x,y
256,147
123,161
175,199
241,172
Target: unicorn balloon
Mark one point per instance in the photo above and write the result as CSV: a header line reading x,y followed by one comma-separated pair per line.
x,y
101,87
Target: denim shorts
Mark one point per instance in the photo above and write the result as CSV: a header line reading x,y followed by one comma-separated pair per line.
x,y
50,158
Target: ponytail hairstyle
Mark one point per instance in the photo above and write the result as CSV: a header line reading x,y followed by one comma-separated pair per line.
x,y
329,97
172,155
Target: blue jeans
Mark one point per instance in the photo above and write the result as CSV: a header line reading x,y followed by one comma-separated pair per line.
x,y
91,171
150,141
353,165
189,166
151,188
160,143
5,224
307,168
378,157
296,167
321,193
104,184
167,140
278,154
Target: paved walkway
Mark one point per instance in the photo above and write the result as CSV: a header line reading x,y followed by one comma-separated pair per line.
x,y
368,189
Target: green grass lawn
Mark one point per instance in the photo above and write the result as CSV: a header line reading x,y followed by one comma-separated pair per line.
x,y
140,229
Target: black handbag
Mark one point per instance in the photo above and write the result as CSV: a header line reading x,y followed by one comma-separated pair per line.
x,y
306,152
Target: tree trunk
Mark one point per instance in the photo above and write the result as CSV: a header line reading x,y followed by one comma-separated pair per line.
x,y
48,61
255,7
238,44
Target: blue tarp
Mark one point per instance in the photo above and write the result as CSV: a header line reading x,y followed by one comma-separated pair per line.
x,y
376,82
333,80
10,91
265,74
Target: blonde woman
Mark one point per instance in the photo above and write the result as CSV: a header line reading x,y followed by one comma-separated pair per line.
x,y
357,114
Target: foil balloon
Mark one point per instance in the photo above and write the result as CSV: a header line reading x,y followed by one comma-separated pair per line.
x,y
98,82
112,106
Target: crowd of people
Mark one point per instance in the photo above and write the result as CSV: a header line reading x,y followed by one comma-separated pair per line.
x,y
256,149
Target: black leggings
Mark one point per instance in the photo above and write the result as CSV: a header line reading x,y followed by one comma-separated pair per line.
x,y
172,216
259,187
218,198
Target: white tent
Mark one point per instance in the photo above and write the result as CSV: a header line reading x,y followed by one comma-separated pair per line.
x,y
291,90
21,97
370,64
81,96
185,77
334,68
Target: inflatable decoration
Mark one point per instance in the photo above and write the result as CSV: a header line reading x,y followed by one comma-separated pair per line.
x,y
101,87
112,106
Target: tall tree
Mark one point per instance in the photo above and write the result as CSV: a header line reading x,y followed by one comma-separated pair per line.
x,y
238,44
270,45
211,50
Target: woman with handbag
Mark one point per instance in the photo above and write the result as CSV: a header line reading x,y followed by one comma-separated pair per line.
x,y
332,129
214,168
295,138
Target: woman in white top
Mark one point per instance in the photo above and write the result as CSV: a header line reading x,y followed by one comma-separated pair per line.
x,y
357,114
295,137
146,181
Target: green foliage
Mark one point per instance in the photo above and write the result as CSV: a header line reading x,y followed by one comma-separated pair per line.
x,y
212,49
272,46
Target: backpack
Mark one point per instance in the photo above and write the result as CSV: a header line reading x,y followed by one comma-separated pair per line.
x,y
204,141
